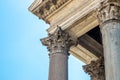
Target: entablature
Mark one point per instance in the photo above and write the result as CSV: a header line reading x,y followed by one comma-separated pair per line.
x,y
76,17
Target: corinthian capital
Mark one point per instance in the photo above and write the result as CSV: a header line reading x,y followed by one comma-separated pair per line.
x,y
109,10
59,41
96,69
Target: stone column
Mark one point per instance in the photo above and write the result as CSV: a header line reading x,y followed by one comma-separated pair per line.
x,y
109,17
96,69
58,44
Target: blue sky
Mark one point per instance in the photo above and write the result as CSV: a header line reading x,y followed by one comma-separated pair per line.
x,y
22,56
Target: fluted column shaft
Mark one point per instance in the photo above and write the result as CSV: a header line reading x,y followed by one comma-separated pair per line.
x,y
58,45
109,16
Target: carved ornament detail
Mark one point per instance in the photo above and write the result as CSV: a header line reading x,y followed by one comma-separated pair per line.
x,y
47,7
109,10
58,42
96,69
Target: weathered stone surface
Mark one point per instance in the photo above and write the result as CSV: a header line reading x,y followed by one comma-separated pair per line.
x,y
109,17
58,44
111,43
44,8
74,16
110,10
59,41
96,69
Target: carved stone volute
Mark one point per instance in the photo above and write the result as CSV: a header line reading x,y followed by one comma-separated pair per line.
x,y
96,69
109,10
58,42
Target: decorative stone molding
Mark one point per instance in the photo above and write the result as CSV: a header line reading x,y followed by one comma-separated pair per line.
x,y
109,10
96,69
46,7
34,4
58,42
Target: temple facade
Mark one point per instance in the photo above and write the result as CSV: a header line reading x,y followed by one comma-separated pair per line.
x,y
86,29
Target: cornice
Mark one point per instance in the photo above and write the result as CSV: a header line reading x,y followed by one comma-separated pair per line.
x,y
43,8
34,4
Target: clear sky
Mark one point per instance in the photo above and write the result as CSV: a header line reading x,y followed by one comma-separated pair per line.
x,y
22,56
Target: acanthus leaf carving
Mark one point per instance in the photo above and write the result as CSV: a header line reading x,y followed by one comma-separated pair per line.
x,y
59,41
109,10
96,69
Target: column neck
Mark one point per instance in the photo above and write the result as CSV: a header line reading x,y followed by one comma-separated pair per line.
x,y
58,42
109,11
